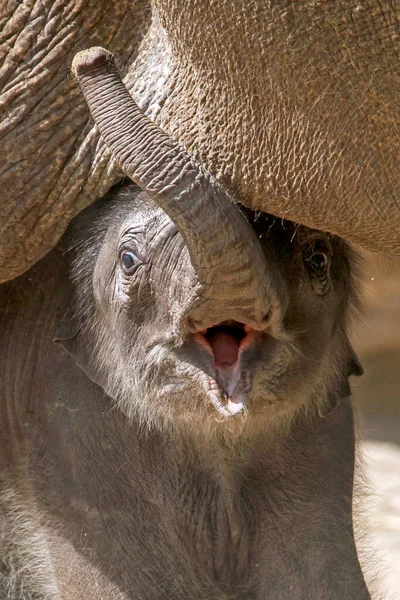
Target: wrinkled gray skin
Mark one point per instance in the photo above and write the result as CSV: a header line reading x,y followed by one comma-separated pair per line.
x,y
293,105
196,441
153,491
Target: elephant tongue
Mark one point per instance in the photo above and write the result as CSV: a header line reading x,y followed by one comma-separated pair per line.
x,y
225,343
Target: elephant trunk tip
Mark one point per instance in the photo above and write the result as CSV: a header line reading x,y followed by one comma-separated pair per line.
x,y
90,59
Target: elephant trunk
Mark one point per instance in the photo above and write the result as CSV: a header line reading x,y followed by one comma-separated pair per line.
x,y
233,281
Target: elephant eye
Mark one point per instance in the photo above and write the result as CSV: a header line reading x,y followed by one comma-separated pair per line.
x,y
317,258
129,261
317,262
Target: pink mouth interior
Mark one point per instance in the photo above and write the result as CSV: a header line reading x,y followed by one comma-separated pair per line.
x,y
226,342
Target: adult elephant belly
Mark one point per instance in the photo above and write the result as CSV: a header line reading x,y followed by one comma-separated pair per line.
x,y
296,105
293,106
52,164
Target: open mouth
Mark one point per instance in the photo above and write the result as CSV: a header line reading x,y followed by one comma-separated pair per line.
x,y
225,343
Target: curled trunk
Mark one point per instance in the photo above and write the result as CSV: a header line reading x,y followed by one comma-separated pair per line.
x,y
228,260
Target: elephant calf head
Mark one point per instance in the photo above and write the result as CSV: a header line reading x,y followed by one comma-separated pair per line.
x,y
132,322
191,305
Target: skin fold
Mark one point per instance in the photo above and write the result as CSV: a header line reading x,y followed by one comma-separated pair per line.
x,y
292,106
134,482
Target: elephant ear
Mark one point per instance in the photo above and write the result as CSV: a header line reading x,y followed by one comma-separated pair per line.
x,y
354,366
71,336
342,388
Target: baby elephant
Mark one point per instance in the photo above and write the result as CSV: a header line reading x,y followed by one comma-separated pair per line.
x,y
243,443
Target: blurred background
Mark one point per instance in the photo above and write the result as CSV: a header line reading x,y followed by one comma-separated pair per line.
x,y
376,340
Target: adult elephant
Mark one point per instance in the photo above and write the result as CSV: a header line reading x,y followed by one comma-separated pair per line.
x,y
294,106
